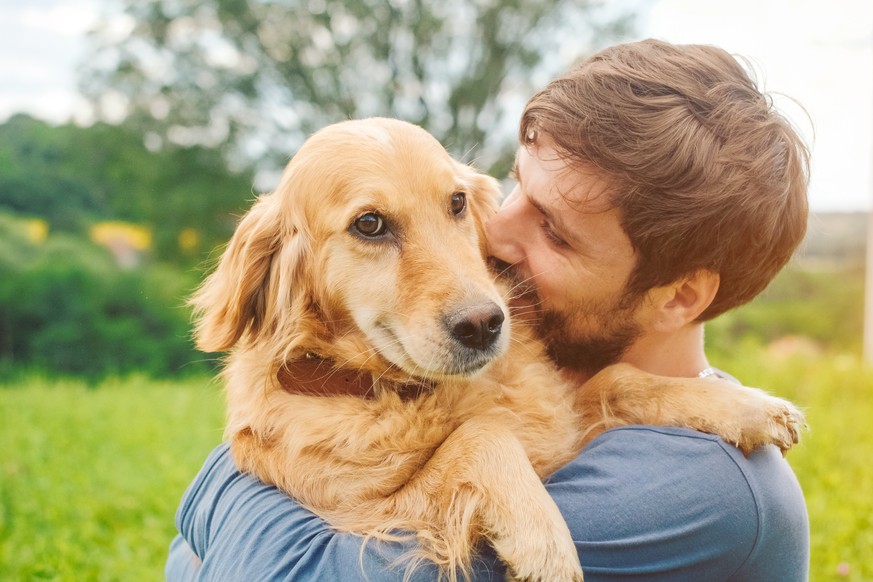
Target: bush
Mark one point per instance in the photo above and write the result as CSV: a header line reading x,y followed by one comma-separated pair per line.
x,y
70,309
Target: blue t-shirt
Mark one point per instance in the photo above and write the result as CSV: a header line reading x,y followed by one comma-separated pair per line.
x,y
642,503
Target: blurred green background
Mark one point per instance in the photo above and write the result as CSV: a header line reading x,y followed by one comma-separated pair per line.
x,y
106,409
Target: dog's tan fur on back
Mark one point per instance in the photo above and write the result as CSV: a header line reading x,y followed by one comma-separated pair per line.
x,y
464,458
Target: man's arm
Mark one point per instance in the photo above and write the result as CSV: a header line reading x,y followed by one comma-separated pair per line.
x,y
655,503
233,527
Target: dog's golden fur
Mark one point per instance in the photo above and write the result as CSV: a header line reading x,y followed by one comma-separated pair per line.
x,y
463,459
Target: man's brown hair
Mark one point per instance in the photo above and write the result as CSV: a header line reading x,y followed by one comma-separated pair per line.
x,y
706,173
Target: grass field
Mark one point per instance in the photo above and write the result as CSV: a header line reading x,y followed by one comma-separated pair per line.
x,y
90,476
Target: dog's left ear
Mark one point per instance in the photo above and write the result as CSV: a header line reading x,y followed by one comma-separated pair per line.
x,y
237,298
483,200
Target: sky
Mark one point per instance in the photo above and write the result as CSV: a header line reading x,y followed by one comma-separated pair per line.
x,y
819,53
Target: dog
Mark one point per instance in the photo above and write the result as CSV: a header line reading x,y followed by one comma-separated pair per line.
x,y
375,374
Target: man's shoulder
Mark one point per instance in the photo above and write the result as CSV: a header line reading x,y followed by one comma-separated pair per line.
x,y
658,496
654,469
672,465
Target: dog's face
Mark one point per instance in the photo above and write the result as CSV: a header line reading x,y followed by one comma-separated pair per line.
x,y
375,238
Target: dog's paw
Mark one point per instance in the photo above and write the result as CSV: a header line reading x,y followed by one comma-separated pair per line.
x,y
767,420
560,574
544,556
544,578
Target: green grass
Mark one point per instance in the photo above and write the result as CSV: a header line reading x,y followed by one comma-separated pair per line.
x,y
90,476
833,460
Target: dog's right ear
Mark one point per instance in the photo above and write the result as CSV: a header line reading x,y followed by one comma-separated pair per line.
x,y
483,200
233,300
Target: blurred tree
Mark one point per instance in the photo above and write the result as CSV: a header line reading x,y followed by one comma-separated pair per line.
x,y
66,307
35,179
72,176
257,76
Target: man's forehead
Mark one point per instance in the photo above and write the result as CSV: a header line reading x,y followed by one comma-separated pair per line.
x,y
571,183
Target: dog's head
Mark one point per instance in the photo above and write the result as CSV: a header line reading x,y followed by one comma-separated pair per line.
x,y
369,252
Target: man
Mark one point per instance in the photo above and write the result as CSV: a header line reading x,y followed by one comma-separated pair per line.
x,y
657,188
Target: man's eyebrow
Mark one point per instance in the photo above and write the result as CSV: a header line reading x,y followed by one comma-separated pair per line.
x,y
555,220
542,209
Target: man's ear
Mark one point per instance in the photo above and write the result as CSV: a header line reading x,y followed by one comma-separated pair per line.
x,y
682,302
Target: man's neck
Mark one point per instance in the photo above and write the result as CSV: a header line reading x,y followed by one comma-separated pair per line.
x,y
677,354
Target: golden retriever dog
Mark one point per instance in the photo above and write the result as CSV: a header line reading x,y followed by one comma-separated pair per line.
x,y
374,373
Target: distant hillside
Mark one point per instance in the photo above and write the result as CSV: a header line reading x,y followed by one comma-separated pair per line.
x,y
835,237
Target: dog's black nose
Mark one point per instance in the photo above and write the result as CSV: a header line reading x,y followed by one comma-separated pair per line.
x,y
478,327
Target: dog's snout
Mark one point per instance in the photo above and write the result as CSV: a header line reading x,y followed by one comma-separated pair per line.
x,y
477,327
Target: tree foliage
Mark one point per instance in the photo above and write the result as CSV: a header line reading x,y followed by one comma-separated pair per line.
x,y
260,75
72,176
38,176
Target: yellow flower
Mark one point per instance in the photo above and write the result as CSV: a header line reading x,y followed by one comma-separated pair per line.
x,y
115,233
37,230
189,239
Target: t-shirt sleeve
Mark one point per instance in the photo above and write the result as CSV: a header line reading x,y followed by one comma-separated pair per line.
x,y
233,527
664,504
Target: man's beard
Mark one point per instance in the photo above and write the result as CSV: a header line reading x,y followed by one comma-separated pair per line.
x,y
606,335
585,338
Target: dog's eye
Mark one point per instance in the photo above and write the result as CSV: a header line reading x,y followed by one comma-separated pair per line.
x,y
459,203
370,225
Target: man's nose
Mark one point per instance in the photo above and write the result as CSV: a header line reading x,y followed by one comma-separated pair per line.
x,y
503,231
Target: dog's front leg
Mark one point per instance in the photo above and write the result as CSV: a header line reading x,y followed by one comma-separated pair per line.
x,y
746,417
480,482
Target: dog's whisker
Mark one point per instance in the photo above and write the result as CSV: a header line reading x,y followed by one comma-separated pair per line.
x,y
528,348
523,283
507,267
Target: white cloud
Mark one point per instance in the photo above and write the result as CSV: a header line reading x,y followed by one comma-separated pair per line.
x,y
70,19
40,44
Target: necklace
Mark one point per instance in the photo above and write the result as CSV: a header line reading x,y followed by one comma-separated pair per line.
x,y
706,372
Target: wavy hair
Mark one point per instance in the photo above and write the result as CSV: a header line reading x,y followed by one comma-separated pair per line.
x,y
706,173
